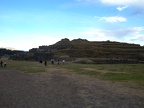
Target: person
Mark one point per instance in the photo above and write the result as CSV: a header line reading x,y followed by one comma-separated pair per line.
x,y
52,61
63,61
45,63
5,64
40,61
1,63
58,61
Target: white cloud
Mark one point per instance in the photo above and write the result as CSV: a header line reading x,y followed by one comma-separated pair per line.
x,y
138,37
130,35
95,34
124,2
113,19
122,8
117,2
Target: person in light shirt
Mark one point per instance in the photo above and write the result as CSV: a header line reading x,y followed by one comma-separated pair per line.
x,y
63,61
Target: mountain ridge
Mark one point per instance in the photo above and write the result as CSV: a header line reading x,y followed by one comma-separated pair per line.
x,y
82,48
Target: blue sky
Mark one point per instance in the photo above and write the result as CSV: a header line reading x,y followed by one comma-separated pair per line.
x,y
26,24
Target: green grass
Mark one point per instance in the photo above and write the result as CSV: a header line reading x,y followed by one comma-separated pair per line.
x,y
133,73
28,67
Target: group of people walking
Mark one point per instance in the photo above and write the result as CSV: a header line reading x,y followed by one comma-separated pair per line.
x,y
3,64
58,61
52,62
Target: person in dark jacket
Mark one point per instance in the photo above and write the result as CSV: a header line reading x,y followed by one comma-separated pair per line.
x,y
1,63
58,61
45,63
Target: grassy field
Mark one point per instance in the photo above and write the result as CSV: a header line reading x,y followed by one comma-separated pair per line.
x,y
132,73
26,66
114,72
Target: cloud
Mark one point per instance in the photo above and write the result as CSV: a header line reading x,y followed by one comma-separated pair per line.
x,y
113,19
138,3
130,35
122,8
138,37
95,34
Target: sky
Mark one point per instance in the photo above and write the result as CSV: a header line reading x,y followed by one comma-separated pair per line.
x,y
26,24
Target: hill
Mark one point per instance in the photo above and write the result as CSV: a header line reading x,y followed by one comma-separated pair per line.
x,y
97,51
7,52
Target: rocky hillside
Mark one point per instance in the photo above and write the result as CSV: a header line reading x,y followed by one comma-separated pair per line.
x,y
82,48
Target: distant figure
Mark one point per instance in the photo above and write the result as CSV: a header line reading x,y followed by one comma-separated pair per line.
x,y
45,63
40,61
52,61
1,63
58,61
63,61
5,64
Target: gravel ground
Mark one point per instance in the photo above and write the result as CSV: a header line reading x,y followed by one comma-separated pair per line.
x,y
58,89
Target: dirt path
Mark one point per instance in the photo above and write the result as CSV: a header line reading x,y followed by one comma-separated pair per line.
x,y
58,89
